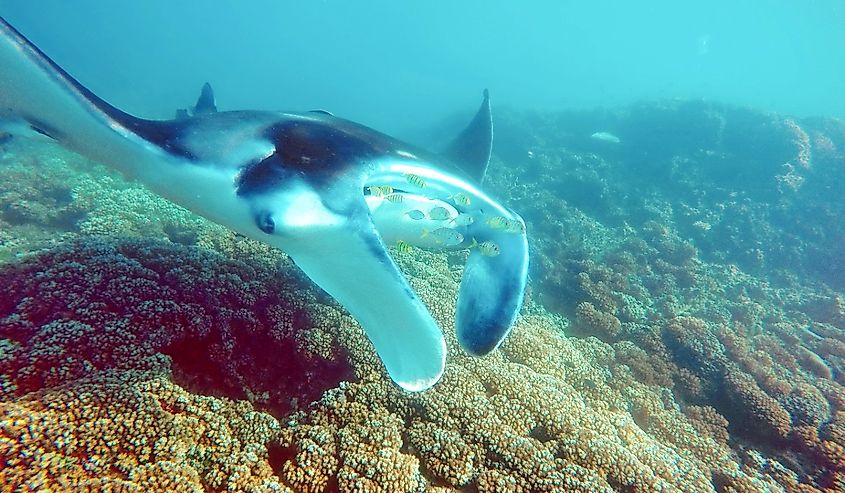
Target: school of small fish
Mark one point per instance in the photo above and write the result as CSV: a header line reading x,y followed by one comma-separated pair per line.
x,y
487,248
395,198
403,246
501,223
460,199
439,214
462,220
446,236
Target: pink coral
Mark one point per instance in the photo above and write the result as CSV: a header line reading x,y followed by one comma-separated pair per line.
x,y
224,326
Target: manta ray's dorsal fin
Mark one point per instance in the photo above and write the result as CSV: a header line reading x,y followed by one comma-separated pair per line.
x,y
205,103
471,149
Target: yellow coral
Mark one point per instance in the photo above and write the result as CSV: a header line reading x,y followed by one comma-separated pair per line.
x,y
141,433
545,413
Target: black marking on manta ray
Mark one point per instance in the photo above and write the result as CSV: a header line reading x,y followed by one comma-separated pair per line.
x,y
323,147
261,176
317,149
43,128
321,150
491,323
317,152
165,134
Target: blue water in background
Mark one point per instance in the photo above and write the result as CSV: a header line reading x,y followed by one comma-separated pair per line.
x,y
697,250
398,66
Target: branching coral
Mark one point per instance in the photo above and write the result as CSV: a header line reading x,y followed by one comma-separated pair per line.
x,y
544,414
106,346
133,431
225,326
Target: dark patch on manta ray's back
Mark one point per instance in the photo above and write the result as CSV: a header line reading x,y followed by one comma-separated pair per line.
x,y
314,151
317,148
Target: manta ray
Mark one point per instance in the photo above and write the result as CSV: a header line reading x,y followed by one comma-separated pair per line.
x,y
331,193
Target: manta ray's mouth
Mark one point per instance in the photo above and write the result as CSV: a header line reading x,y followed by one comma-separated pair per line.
x,y
406,219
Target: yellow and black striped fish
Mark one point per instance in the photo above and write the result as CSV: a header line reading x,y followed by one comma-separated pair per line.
x,y
461,199
380,191
415,180
403,247
395,198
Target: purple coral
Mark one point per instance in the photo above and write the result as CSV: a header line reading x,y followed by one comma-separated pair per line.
x,y
227,327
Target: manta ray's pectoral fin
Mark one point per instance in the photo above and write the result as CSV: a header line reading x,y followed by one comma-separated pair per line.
x,y
33,89
492,289
350,262
471,149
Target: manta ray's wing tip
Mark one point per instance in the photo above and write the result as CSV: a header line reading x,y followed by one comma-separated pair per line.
x,y
491,294
424,377
416,359
418,385
351,263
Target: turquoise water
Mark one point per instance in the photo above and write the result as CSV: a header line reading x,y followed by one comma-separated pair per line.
x,y
397,65
678,167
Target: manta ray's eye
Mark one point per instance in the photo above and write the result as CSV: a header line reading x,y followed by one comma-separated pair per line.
x,y
265,222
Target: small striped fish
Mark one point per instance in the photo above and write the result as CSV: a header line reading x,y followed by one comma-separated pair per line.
x,y
415,180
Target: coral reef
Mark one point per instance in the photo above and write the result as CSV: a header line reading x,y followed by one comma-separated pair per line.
x,y
750,188
714,285
133,431
684,330
547,413
544,413
48,195
221,323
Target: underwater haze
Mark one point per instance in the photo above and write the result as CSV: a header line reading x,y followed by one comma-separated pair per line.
x,y
397,65
674,170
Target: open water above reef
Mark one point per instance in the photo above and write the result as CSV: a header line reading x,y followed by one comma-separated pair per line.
x,y
685,327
